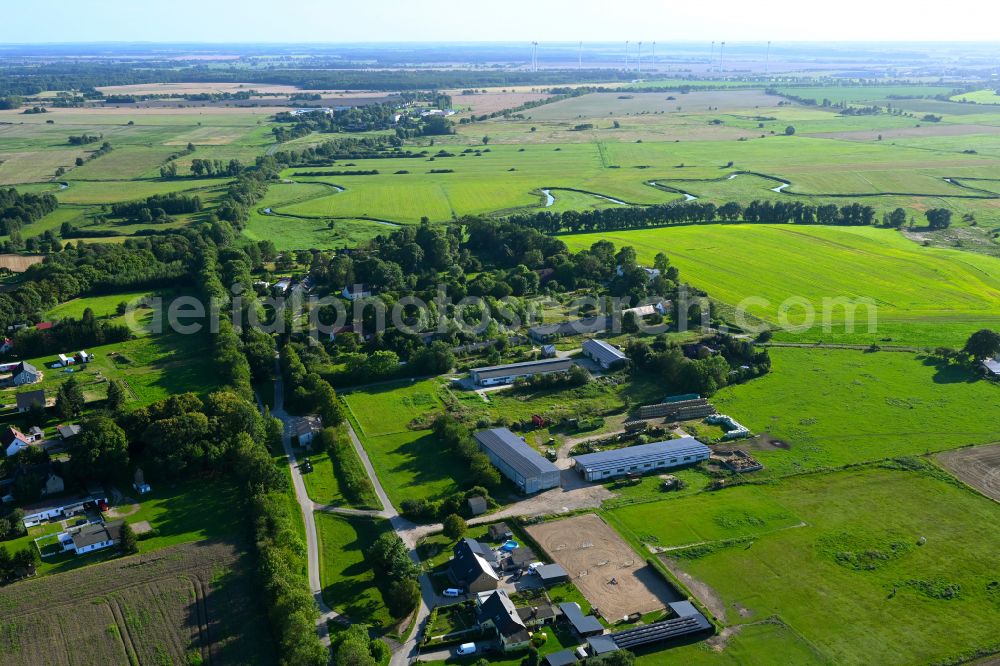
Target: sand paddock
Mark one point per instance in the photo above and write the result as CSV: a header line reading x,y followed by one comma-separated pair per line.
x,y
609,573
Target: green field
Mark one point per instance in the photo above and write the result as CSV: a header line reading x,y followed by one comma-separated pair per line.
x,y
348,581
922,296
840,407
978,97
853,583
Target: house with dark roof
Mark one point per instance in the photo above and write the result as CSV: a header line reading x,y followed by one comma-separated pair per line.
x,y
551,574
517,461
498,612
604,354
598,645
306,428
472,567
688,621
498,375
585,625
25,373
562,658
519,558
499,532
587,325
538,616
29,399
96,536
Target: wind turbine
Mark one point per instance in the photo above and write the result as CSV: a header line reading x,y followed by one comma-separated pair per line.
x,y
626,55
711,55
652,57
639,59
722,48
579,62
767,58
534,56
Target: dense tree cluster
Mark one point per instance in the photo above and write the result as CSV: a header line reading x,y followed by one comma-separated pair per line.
x,y
170,204
18,210
638,217
396,573
215,168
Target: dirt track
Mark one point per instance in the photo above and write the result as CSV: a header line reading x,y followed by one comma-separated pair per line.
x,y
612,576
978,466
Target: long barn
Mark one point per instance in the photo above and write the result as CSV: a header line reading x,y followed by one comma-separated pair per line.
x,y
641,459
517,461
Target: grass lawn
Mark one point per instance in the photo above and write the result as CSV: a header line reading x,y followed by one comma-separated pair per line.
x,y
854,582
189,511
103,306
923,296
839,407
389,408
321,483
348,581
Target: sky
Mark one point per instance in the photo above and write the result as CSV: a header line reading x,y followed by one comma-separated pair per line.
x,y
333,21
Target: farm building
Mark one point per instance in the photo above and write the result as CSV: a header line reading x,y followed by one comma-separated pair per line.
x,y
551,574
29,399
688,621
598,645
496,375
587,325
992,366
96,536
684,409
585,625
306,428
13,441
498,612
517,461
25,373
562,658
641,459
604,354
68,431
472,566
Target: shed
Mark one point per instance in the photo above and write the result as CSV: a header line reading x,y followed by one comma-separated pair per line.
x,y
477,505
604,354
585,625
552,574
601,645
563,658
499,532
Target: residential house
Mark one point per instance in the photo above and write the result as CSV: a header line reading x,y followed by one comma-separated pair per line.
x,y
13,441
281,287
498,612
537,616
25,373
356,292
306,428
97,536
62,507
519,559
53,485
472,566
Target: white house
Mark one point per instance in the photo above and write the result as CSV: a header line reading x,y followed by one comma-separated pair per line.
x,y
96,536
307,428
13,441
356,292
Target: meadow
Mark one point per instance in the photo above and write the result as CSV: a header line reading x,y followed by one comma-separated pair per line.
x,y
889,567
922,296
842,407
349,585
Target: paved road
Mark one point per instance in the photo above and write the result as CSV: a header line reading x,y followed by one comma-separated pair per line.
x,y
306,505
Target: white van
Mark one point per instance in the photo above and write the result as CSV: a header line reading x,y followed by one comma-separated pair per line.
x,y
465,649
452,592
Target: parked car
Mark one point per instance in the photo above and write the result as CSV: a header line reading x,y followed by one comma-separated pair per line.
x,y
466,648
453,592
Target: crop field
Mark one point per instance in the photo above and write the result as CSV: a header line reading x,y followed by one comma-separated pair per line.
x,y
922,296
858,94
978,466
188,604
348,581
978,97
841,407
889,568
